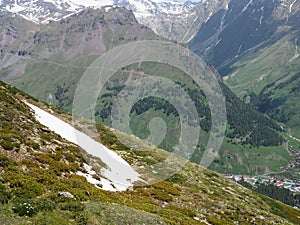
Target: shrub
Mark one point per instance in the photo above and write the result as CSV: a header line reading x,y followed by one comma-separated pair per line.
x,y
167,187
3,198
45,204
7,145
33,144
25,207
4,195
217,221
81,218
161,195
5,161
43,142
70,157
29,188
73,206
177,178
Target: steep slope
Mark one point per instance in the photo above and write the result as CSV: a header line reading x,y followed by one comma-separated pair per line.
x,y
255,46
183,26
58,54
118,174
250,139
243,29
269,79
40,167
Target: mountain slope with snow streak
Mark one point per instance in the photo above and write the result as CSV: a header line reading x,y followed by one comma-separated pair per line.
x,y
119,173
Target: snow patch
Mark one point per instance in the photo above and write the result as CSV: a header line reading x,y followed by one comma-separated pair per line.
x,y
119,174
247,6
291,6
261,19
102,183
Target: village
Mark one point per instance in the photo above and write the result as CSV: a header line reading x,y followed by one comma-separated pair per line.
x,y
291,184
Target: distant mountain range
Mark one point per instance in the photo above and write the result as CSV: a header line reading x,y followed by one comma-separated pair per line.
x,y
42,11
159,15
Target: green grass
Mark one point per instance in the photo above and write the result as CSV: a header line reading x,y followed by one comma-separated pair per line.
x,y
139,126
244,159
269,65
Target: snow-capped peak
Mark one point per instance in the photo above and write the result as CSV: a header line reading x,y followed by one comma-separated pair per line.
x,y
42,11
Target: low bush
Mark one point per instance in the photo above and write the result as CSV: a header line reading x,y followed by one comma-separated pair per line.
x,y
5,161
72,206
4,195
33,144
7,145
25,207
45,204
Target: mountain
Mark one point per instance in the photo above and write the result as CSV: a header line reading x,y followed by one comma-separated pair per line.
x,y
242,29
47,179
48,61
175,20
183,26
254,45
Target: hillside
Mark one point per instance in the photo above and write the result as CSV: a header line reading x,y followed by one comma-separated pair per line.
x,y
243,29
38,164
249,140
254,45
269,80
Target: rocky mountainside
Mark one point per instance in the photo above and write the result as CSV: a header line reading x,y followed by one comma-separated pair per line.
x,y
40,182
244,28
176,20
184,26
42,11
92,32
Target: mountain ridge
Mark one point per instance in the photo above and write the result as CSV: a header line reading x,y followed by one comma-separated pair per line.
x,y
175,20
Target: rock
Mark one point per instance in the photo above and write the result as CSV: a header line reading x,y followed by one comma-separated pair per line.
x,y
45,130
66,194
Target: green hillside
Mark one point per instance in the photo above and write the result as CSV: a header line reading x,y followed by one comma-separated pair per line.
x,y
269,81
37,164
250,139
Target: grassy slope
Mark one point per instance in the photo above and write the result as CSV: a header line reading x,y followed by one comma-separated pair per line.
x,y
193,191
233,156
270,73
270,64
